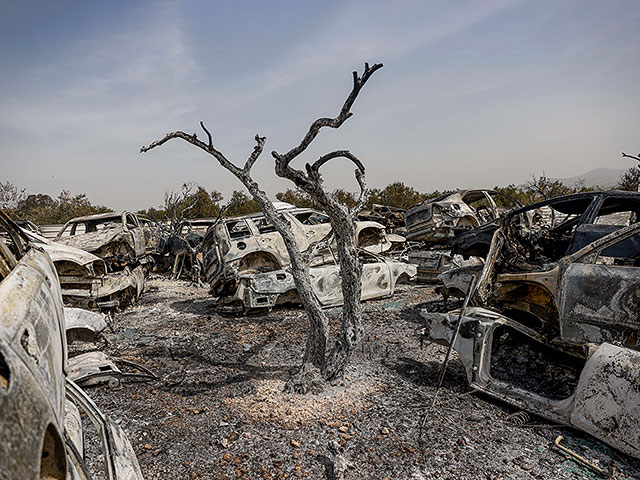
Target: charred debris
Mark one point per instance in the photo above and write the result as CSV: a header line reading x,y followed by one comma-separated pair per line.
x,y
551,325
550,322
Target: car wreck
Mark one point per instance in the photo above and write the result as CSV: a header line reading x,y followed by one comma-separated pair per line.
x,y
391,217
84,280
119,239
554,328
435,222
590,296
250,244
42,434
595,389
556,227
542,233
380,276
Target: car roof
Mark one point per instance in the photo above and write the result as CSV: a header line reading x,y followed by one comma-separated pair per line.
x,y
577,202
261,214
97,216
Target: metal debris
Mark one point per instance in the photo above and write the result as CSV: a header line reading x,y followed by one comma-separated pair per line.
x,y
96,368
605,473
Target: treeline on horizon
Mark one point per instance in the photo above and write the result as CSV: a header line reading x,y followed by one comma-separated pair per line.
x,y
194,201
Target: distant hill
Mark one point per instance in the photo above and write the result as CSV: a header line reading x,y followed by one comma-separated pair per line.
x,y
606,178
603,177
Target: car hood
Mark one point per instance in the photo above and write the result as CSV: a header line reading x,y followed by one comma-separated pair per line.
x,y
94,240
66,253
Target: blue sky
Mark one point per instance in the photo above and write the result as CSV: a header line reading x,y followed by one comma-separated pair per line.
x,y
473,93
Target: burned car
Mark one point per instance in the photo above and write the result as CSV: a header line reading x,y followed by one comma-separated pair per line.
x,y
595,389
544,232
437,220
251,244
391,217
562,338
179,244
84,279
590,296
558,226
434,223
119,239
380,276
41,433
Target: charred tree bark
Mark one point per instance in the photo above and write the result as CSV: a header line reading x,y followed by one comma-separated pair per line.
x,y
342,222
317,364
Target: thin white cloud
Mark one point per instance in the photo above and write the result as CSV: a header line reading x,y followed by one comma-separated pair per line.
x,y
347,40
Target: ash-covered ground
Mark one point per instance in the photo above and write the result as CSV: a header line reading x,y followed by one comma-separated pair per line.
x,y
218,411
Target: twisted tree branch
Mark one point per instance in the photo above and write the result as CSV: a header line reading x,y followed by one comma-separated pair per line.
x,y
193,140
208,135
283,160
257,150
364,194
315,167
631,156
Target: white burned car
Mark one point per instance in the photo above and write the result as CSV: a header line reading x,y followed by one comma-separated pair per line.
x,y
119,239
436,220
84,279
380,276
41,434
250,244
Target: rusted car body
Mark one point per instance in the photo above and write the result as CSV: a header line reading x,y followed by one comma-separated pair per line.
x,y
590,296
595,389
38,435
250,244
556,227
541,234
119,239
84,279
265,290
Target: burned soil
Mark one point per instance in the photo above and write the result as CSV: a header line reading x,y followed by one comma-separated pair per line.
x,y
218,411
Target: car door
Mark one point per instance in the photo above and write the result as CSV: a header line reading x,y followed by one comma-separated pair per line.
x,y
376,280
599,293
32,357
607,398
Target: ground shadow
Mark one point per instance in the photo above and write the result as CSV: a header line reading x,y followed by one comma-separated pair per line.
x,y
412,313
425,374
206,306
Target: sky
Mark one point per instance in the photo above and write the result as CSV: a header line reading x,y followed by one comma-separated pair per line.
x,y
472,93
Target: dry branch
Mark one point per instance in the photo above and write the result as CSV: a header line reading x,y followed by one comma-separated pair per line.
x,y
316,360
631,156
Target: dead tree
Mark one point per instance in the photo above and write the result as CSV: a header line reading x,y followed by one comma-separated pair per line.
x,y
172,239
320,361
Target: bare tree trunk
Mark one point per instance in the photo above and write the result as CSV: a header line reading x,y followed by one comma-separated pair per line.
x,y
316,363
